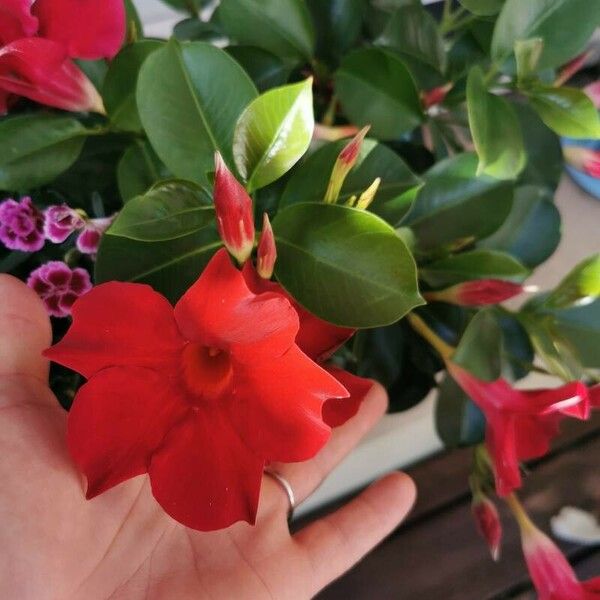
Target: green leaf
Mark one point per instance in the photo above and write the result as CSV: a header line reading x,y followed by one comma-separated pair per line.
x,y
483,8
532,230
171,210
133,23
120,83
581,286
282,27
567,111
495,130
36,148
345,265
376,89
564,25
455,204
196,30
190,96
265,69
273,133
458,420
190,6
413,31
476,264
138,169
170,267
308,182
528,54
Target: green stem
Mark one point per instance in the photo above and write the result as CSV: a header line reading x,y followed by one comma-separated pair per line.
x,y
329,116
444,349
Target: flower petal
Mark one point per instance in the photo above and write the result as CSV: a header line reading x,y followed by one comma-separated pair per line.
x,y
220,311
277,406
337,411
118,324
89,29
41,70
533,435
501,444
16,20
204,476
117,420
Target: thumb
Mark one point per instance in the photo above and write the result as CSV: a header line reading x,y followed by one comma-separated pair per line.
x,y
24,331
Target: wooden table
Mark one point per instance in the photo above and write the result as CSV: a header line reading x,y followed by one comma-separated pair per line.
x,y
437,554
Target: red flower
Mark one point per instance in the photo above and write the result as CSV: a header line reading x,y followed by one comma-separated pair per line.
x,y
319,340
435,95
488,523
479,292
520,424
40,67
201,397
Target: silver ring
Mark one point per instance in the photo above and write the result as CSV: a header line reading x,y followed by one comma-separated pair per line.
x,y
287,488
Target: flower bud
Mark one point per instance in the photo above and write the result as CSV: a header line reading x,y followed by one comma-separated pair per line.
x,y
488,523
343,165
365,199
477,293
436,95
327,133
267,251
234,212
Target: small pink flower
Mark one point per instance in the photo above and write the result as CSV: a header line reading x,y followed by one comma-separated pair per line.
x,y
59,286
89,239
21,225
60,222
479,292
488,523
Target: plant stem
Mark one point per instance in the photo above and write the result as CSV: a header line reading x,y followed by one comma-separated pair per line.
x,y
444,349
519,512
329,116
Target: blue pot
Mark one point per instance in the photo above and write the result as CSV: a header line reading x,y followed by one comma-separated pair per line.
x,y
588,183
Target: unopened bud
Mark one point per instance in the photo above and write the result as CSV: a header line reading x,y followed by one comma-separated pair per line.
x,y
267,251
368,195
488,523
480,292
343,165
233,205
436,95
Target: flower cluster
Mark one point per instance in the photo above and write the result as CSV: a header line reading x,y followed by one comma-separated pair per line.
x,y
39,39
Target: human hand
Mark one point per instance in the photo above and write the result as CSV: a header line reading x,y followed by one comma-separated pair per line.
x,y
55,545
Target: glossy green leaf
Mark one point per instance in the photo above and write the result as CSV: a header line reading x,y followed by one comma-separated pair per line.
x,y
138,170
455,204
413,31
194,29
36,148
282,27
483,8
532,231
458,420
273,133
375,88
170,267
120,83
170,210
265,69
564,25
308,182
581,286
476,264
495,130
567,111
345,265
190,96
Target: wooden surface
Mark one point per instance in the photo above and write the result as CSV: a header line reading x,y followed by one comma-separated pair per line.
x,y
438,555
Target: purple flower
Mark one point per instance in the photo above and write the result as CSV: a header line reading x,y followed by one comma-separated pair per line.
x,y
89,239
61,221
59,286
21,225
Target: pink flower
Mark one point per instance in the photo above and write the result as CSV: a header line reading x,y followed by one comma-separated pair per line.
x,y
21,225
477,293
488,523
520,424
235,218
551,573
60,222
16,20
59,286
583,159
88,240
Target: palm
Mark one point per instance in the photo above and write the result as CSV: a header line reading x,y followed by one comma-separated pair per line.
x,y
121,544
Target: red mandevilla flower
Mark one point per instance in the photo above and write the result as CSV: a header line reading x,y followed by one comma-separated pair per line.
x,y
520,424
200,397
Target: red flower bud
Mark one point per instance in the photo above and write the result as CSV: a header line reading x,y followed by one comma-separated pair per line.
x,y
343,165
234,212
488,523
267,251
333,134
436,95
41,70
477,293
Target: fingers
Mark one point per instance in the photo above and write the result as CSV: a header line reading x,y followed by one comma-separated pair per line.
x,y
24,331
335,543
306,476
